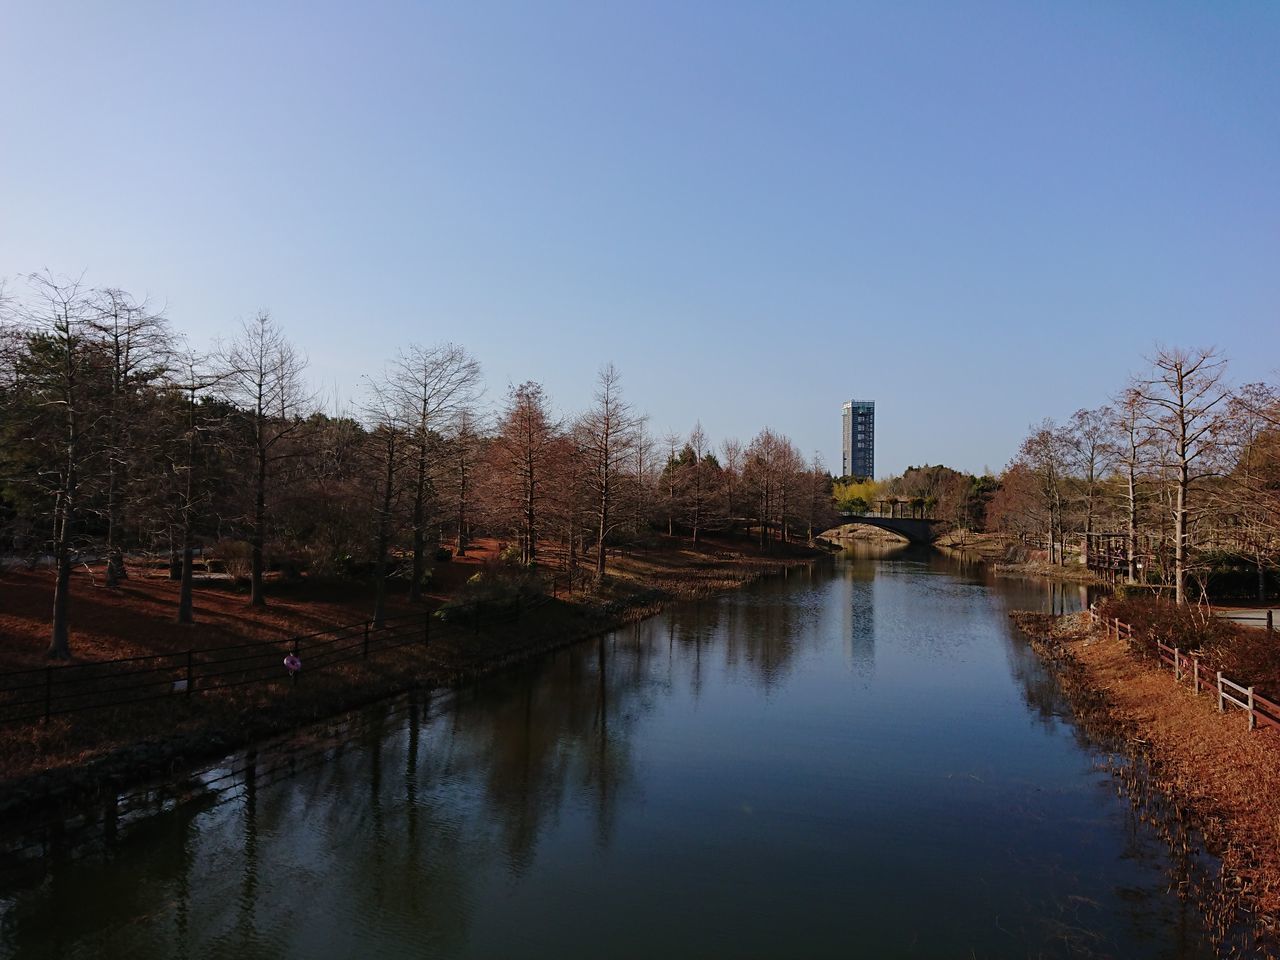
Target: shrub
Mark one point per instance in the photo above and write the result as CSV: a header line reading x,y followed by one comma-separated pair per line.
x,y
1186,627
235,557
497,586
1244,654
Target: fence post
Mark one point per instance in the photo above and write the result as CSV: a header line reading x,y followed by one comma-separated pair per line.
x,y
1270,624
1195,674
1117,623
48,692
1221,707
1253,720
190,673
366,640
1177,664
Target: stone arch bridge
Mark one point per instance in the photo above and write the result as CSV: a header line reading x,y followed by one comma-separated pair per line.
x,y
913,529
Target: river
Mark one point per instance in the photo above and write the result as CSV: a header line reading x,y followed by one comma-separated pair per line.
x,y
861,759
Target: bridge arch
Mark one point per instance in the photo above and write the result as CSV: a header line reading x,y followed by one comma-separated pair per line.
x,y
913,529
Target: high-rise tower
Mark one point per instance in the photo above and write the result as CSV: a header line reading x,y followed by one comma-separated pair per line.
x,y
859,439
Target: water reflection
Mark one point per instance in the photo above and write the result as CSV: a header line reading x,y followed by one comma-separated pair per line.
x,y
865,747
857,593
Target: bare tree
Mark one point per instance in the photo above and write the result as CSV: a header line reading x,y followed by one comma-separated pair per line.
x,y
385,449
732,450
791,485
463,443
819,508
1182,397
136,344
1092,450
263,375
1250,499
1045,454
698,470
10,430
193,378
522,447
434,385
1132,455
571,499
671,481
645,482
59,318
762,474
608,433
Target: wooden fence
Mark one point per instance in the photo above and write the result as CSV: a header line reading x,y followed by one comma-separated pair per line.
x,y
1187,668
44,692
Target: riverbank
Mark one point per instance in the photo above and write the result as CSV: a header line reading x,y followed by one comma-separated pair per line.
x,y
79,756
992,547
1067,573
1008,556
1207,765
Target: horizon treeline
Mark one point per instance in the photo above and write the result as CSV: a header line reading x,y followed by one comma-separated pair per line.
x,y
1174,483
117,439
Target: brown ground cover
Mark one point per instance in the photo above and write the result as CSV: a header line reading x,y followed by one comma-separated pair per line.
x,y
82,753
1208,763
989,546
1071,572
137,617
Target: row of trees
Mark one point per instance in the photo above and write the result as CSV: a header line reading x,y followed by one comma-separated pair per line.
x,y
1178,475
939,492
116,439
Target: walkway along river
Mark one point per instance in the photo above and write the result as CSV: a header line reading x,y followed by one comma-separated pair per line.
x,y
861,760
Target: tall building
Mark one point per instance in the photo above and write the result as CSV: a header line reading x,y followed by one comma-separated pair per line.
x,y
859,439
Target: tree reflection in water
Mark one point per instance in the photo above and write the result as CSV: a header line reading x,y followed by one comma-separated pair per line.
x,y
763,772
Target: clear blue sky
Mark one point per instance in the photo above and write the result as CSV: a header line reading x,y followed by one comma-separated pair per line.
x,y
975,214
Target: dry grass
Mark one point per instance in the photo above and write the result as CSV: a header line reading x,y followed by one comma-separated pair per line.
x,y
1208,765
1069,572
1245,655
989,546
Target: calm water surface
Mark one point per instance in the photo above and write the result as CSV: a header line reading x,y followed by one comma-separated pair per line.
x,y
862,760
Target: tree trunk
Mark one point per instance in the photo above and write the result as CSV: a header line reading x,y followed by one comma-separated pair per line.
x,y
184,590
600,538
419,530
59,643
530,550
1180,538
257,597
1132,539
461,546
115,556
380,590
384,537
59,647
